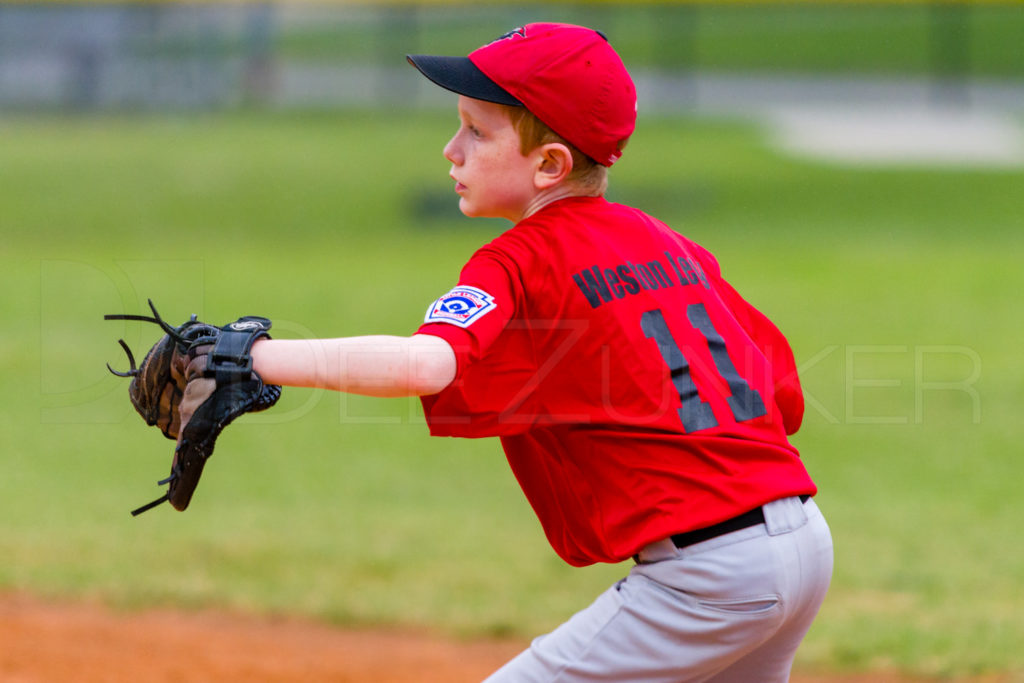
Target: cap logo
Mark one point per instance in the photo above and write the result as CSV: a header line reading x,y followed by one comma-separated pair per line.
x,y
521,32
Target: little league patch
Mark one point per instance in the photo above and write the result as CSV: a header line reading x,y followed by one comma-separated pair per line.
x,y
462,306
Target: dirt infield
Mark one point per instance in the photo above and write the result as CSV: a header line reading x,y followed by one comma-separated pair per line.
x,y
46,642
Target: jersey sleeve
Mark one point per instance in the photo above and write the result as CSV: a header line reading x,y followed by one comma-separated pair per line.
x,y
770,341
471,315
493,370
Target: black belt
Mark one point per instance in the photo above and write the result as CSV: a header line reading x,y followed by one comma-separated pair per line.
x,y
747,519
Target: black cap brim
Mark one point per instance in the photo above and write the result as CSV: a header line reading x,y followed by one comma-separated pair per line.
x,y
460,75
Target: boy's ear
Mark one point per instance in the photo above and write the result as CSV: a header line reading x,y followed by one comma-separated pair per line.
x,y
555,165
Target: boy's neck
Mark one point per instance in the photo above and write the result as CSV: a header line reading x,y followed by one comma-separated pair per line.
x,y
551,196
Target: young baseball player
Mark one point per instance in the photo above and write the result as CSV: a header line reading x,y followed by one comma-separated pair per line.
x,y
643,405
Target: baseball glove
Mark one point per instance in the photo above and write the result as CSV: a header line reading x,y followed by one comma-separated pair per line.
x,y
192,384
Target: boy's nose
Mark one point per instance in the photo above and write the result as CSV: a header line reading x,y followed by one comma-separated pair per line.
x,y
451,153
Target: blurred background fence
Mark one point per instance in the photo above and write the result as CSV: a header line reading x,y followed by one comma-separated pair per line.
x,y
685,55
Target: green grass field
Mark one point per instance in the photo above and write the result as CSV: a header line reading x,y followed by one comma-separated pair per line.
x,y
898,288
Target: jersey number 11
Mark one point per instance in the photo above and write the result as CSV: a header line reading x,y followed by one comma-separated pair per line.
x,y
694,412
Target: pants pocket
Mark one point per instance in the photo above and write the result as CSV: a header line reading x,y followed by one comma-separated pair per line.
x,y
759,605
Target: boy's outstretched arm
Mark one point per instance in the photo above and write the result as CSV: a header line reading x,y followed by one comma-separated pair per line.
x,y
376,365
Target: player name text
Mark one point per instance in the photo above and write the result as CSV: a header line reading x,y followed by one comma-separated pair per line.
x,y
602,284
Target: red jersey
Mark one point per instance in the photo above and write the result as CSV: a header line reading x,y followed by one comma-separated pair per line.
x,y
636,394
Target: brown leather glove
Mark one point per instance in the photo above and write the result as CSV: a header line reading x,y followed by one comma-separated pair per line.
x,y
192,384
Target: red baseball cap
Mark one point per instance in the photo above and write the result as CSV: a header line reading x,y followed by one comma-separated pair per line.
x,y
567,76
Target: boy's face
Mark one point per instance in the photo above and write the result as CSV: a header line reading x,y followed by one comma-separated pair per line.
x,y
492,177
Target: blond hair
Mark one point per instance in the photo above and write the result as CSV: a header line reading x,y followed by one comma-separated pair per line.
x,y
587,175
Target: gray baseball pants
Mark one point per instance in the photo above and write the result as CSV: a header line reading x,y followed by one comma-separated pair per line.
x,y
732,609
